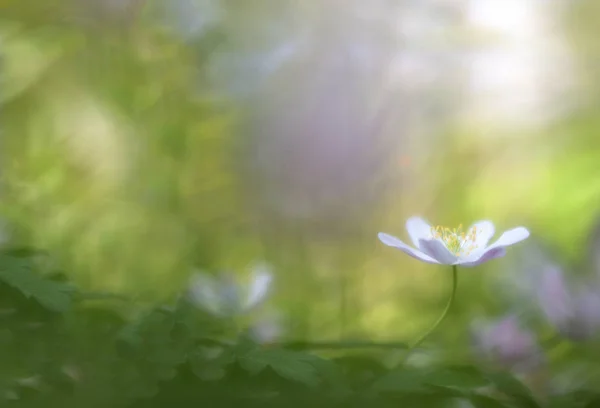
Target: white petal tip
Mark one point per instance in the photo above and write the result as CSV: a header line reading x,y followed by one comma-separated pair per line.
x,y
519,234
387,239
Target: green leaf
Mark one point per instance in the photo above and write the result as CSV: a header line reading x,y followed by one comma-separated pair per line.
x,y
509,385
575,399
291,365
329,372
401,380
482,401
209,364
18,273
457,377
592,403
452,379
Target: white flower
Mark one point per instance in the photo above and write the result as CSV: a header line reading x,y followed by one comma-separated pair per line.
x,y
268,329
439,245
225,296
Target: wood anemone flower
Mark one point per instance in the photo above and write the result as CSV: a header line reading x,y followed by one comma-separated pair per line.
x,y
439,245
225,296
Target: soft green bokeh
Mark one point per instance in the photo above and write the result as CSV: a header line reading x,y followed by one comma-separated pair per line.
x,y
120,159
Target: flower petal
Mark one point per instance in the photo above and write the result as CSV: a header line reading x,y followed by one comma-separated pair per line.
x,y
392,241
230,293
417,229
484,232
203,292
261,281
488,255
267,329
497,249
511,237
437,250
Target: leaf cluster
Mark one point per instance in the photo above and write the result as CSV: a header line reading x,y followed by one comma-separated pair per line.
x,y
61,347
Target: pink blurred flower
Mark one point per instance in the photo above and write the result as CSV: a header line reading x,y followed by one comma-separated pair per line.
x,y
575,313
317,147
505,344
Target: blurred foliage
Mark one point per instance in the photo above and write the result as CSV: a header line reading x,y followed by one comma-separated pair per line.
x,y
121,160
115,155
174,354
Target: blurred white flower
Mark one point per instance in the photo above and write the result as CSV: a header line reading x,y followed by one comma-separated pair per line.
x,y
439,245
34,381
73,372
504,343
268,329
225,296
575,313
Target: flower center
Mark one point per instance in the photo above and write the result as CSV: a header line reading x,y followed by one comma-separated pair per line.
x,y
457,241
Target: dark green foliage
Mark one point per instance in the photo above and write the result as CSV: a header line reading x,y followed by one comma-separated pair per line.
x,y
16,270
60,350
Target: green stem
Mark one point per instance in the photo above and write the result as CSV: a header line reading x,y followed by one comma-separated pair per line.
x,y
343,304
444,313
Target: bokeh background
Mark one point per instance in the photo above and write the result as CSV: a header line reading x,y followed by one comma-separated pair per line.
x,y
144,140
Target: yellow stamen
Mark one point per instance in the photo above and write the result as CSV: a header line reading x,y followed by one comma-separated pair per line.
x,y
459,242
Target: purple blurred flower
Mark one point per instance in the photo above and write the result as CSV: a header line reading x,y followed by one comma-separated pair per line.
x,y
318,148
504,343
443,246
575,313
